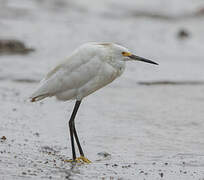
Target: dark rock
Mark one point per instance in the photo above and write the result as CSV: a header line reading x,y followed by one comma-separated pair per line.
x,y
114,165
36,134
183,34
104,154
11,46
3,138
161,174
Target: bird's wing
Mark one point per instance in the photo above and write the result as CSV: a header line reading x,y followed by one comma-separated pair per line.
x,y
73,73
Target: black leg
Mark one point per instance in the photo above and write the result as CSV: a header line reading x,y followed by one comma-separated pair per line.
x,y
78,143
76,137
72,139
73,130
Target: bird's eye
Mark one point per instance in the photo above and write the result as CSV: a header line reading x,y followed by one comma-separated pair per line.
x,y
125,53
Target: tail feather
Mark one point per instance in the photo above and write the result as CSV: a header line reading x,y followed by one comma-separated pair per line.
x,y
38,98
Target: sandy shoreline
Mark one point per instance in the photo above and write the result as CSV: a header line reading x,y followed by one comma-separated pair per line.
x,y
150,120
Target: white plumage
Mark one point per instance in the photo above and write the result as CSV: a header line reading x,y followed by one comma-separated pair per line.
x,y
90,67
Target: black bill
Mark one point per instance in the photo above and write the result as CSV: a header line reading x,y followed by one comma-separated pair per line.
x,y
132,56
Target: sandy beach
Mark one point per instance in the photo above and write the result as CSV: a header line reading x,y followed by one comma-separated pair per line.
x,y
148,124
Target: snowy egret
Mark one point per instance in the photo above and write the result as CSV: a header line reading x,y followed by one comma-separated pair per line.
x,y
87,69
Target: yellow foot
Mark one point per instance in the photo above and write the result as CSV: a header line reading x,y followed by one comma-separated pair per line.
x,y
80,159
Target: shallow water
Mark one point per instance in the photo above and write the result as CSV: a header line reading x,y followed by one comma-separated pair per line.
x,y
150,120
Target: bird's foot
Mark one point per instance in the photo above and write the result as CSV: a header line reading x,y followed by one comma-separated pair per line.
x,y
80,159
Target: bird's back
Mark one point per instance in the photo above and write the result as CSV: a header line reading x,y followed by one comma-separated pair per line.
x,y
82,73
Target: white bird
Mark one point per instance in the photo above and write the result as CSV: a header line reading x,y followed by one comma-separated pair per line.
x,y
89,68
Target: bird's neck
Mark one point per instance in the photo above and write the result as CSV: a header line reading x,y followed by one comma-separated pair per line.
x,y
117,64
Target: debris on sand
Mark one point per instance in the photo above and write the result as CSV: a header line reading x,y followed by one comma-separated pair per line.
x,y
183,34
24,173
11,46
114,165
36,134
104,154
161,175
169,82
48,150
3,138
25,80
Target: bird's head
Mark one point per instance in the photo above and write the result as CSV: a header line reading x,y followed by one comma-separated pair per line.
x,y
126,55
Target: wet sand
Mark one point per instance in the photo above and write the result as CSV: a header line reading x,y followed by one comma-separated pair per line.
x,y
148,124
146,134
